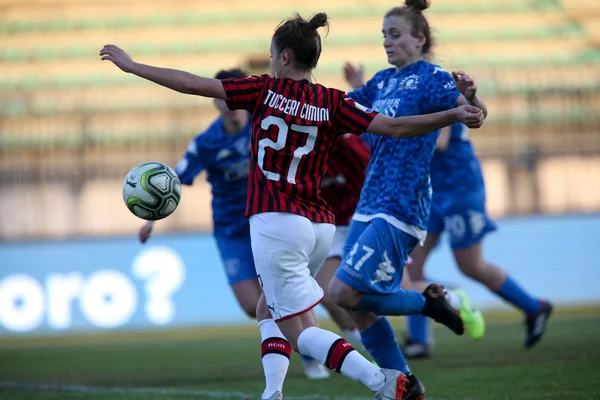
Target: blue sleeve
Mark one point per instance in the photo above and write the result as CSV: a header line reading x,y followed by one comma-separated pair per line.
x,y
195,160
440,92
365,95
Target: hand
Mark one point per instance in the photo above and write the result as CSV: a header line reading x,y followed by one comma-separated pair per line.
x,y
354,75
471,116
119,57
145,231
465,84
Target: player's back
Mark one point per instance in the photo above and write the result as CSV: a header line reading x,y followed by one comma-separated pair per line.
x,y
456,169
295,126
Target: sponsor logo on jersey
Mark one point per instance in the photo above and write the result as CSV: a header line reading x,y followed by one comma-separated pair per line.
x,y
449,85
410,82
392,83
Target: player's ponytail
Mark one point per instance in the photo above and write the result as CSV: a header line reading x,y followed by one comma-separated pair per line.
x,y
413,12
419,5
318,20
301,38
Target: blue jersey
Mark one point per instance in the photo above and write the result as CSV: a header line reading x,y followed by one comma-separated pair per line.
x,y
226,159
397,187
456,170
458,205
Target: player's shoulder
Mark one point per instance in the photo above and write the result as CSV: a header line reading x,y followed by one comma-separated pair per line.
x,y
259,78
380,77
255,78
384,73
250,81
438,77
329,89
435,70
335,97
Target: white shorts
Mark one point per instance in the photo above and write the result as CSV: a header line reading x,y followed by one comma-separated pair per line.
x,y
339,239
289,251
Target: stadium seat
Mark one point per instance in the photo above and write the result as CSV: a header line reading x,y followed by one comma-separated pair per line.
x,y
549,47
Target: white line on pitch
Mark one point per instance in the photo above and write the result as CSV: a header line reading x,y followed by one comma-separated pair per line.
x,y
157,391
154,391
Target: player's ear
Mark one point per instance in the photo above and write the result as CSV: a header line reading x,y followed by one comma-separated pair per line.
x,y
286,57
421,41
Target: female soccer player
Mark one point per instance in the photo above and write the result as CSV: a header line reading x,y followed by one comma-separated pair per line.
x,y
417,343
393,210
295,123
223,151
458,207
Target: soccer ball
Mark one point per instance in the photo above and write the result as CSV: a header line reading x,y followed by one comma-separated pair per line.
x,y
151,191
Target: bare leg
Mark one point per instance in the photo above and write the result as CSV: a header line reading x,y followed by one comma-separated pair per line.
x,y
247,293
338,314
471,262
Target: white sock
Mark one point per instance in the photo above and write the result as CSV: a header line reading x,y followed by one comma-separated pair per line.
x,y
353,336
454,299
276,351
319,344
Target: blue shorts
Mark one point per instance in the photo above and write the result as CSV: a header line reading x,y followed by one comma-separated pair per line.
x,y
236,254
374,256
463,217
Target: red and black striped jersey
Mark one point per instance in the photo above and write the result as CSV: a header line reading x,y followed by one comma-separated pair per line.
x,y
345,176
295,124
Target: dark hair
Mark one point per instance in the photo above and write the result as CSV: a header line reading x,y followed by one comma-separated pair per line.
x,y
413,12
233,73
301,38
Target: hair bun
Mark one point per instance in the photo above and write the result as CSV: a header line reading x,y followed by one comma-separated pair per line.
x,y
417,4
318,20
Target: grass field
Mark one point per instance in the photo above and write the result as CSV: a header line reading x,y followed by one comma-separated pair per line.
x,y
224,363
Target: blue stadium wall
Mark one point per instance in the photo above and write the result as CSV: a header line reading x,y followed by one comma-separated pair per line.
x,y
177,280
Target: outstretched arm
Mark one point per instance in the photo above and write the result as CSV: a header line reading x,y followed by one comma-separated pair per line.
x,y
177,80
404,127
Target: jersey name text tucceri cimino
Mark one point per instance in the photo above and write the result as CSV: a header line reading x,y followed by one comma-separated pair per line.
x,y
295,108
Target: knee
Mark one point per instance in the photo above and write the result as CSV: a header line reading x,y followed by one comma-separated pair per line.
x,y
472,268
335,291
343,295
251,311
415,271
328,303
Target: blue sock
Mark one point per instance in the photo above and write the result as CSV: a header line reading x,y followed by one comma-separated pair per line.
x,y
404,302
513,293
418,328
380,342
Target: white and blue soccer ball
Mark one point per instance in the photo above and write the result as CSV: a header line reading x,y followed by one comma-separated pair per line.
x,y
152,191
